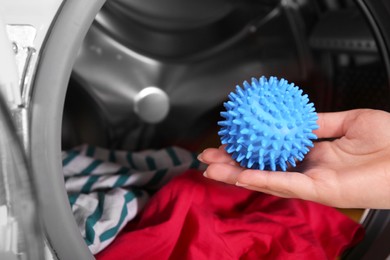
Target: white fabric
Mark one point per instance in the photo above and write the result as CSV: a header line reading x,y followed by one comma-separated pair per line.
x,y
107,188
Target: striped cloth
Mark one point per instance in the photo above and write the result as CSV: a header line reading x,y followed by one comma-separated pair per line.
x,y
108,188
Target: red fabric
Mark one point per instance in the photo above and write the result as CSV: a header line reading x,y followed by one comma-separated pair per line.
x,y
196,218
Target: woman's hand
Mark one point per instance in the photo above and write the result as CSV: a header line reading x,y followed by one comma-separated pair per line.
x,y
352,171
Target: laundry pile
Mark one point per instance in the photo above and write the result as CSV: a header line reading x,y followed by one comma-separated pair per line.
x,y
108,188
114,194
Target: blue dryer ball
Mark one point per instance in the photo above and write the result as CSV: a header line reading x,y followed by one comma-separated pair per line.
x,y
268,124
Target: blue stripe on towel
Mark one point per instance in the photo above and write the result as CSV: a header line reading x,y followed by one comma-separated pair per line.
x,y
121,180
92,166
69,157
93,219
158,176
72,198
110,233
112,156
151,163
172,154
90,151
130,160
195,162
90,182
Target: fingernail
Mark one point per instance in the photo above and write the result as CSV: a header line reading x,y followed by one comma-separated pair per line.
x,y
205,174
239,184
199,157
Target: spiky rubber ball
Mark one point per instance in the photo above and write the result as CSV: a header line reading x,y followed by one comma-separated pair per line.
x,y
268,124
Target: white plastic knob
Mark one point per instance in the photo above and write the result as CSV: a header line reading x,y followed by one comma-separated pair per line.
x,y
151,105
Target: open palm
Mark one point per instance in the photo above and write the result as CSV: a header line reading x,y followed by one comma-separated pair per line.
x,y
350,169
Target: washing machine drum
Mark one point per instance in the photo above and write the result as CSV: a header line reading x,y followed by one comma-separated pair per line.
x,y
146,74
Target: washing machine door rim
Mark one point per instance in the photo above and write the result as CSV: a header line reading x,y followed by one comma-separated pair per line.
x,y
53,72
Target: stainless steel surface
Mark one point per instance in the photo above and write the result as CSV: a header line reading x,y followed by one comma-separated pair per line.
x,y
20,226
9,87
113,72
172,14
27,25
20,234
22,37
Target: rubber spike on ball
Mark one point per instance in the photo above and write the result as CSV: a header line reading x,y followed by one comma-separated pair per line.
x,y
268,124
